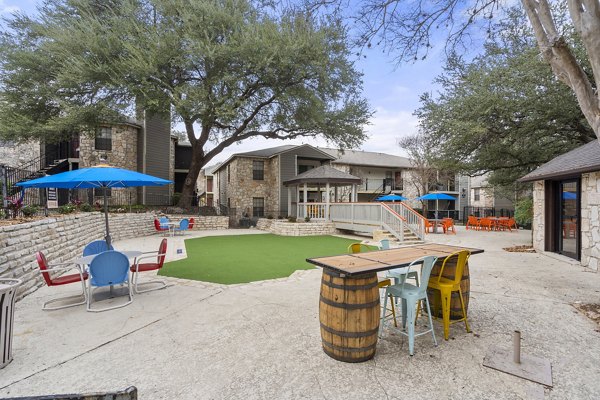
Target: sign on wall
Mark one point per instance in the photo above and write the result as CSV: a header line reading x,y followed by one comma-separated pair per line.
x,y
52,196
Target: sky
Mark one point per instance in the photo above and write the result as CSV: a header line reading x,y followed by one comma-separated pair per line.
x,y
392,91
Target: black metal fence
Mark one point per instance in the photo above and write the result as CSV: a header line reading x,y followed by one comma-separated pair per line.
x,y
486,212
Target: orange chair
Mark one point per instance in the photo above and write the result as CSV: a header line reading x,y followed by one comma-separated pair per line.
x,y
429,225
473,223
486,223
448,225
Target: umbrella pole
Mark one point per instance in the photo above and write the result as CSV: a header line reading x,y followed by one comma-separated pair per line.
x,y
107,238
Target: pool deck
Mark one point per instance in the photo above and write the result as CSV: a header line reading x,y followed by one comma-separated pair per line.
x,y
261,340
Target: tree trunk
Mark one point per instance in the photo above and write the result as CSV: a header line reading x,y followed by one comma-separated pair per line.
x,y
557,53
189,185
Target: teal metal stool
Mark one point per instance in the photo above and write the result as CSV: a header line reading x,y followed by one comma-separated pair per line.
x,y
411,295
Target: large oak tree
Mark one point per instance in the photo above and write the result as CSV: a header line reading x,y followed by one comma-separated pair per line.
x,y
228,70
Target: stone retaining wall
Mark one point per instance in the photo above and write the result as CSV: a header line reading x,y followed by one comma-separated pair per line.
x,y
285,228
62,239
211,222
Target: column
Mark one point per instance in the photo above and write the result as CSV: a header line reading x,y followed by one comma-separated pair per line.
x,y
327,201
305,199
289,205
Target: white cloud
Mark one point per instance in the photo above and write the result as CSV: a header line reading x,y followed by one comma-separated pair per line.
x,y
8,8
387,126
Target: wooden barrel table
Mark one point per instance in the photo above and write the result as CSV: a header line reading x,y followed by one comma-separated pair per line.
x,y
349,315
465,286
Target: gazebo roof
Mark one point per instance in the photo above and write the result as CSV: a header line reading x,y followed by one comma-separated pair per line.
x,y
323,174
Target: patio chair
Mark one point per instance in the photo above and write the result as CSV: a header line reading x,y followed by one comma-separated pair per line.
x,y
46,270
159,227
382,285
429,226
138,267
108,269
487,224
96,247
446,286
358,248
473,223
184,224
191,226
448,225
411,295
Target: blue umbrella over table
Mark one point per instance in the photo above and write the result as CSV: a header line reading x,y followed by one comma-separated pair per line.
x,y
436,197
101,176
391,197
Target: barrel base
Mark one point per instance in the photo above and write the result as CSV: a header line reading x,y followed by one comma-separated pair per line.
x,y
348,359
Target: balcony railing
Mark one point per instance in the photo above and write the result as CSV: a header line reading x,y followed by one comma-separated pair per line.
x,y
374,184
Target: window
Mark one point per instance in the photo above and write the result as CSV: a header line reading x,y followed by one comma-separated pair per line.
x,y
476,194
99,192
258,206
258,170
103,139
304,168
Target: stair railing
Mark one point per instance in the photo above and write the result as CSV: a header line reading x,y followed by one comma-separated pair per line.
x,y
415,222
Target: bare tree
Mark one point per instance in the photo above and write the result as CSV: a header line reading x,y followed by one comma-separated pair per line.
x,y
424,173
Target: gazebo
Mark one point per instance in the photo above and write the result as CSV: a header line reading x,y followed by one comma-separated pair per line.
x,y
323,177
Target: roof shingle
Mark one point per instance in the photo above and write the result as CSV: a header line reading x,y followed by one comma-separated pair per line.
x,y
585,158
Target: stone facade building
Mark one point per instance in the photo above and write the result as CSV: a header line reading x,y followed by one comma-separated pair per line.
x,y
566,205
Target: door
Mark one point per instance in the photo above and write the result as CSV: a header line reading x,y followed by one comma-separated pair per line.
x,y
569,213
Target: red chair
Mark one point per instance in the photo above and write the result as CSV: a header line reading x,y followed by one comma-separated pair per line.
x,y
159,257
191,224
158,227
46,270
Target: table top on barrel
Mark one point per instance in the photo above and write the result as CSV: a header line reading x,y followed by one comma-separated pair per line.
x,y
383,260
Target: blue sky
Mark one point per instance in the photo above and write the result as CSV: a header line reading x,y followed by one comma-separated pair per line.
x,y
393,93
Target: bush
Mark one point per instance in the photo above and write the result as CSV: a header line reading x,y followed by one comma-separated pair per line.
x,y
86,207
66,209
138,208
306,219
291,219
176,197
524,212
269,216
29,210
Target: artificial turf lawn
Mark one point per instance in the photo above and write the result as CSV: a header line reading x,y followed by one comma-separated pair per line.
x,y
248,258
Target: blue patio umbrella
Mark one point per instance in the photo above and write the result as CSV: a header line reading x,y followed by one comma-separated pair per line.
x,y
101,176
391,197
436,197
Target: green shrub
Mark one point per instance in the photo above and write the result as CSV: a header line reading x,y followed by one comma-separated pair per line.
x,y
269,216
86,207
524,212
29,210
291,219
66,209
306,219
138,208
176,197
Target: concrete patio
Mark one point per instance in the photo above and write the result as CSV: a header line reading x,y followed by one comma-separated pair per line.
x,y
261,340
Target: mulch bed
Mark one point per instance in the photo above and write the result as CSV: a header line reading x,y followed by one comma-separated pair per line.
x,y
520,249
20,220
592,311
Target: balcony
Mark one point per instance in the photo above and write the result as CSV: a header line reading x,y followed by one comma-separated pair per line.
x,y
379,185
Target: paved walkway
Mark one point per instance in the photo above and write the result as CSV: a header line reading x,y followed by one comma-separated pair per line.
x,y
261,340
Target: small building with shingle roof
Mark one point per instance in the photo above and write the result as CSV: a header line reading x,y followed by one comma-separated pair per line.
x,y
566,205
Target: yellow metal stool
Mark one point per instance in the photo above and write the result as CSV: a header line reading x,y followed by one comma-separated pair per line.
x,y
382,284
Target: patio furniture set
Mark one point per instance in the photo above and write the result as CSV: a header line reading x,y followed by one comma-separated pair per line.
x,y
349,309
447,225
102,266
164,225
491,223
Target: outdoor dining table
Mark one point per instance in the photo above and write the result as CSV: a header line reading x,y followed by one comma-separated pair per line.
x,y
86,260
436,222
349,298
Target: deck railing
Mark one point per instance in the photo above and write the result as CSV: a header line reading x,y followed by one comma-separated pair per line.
x,y
393,217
